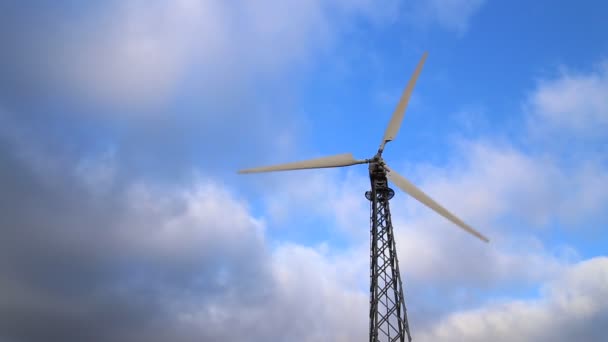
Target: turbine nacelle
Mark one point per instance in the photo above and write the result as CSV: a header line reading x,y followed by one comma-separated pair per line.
x,y
377,166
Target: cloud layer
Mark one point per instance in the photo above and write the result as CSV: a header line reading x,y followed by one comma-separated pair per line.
x,y
572,307
116,227
574,101
138,53
147,263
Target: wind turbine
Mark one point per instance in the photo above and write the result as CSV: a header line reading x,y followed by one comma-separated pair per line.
x,y
387,312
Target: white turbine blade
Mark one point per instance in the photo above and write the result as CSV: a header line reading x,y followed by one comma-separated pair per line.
x,y
399,113
413,191
339,160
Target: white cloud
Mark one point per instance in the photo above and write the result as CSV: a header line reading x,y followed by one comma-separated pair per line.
x,y
487,184
436,255
147,262
309,299
507,195
453,15
98,173
188,223
140,52
306,294
333,194
207,261
488,181
573,307
573,102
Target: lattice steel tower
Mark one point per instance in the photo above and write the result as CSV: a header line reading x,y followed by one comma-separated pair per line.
x,y
387,315
387,312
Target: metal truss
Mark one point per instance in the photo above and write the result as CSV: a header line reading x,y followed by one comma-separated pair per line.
x,y
387,312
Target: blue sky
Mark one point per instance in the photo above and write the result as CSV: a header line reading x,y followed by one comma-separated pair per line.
x,y
123,124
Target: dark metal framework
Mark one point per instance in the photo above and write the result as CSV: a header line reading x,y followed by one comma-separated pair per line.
x,y
387,312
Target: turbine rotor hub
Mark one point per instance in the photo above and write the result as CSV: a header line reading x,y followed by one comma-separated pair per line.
x,y
377,166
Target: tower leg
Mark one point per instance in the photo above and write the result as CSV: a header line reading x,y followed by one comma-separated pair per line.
x,y
387,313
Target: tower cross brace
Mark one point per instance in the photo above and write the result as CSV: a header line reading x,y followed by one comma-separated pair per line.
x,y
387,312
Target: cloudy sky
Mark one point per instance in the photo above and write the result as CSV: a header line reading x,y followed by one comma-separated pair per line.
x,y
122,124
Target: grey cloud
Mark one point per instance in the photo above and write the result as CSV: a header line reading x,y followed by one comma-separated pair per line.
x,y
573,307
139,53
164,85
97,244
137,261
80,266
